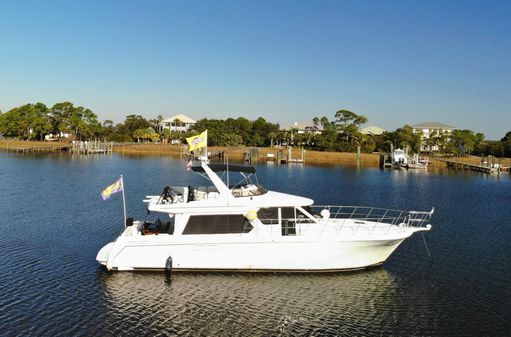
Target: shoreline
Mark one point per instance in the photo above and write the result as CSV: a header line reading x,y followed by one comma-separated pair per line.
x,y
237,153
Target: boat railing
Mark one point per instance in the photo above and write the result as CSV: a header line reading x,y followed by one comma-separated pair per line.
x,y
383,218
337,219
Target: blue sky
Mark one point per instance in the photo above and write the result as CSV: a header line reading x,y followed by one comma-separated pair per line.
x,y
395,62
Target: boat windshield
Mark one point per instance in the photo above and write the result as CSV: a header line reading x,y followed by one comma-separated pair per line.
x,y
245,178
247,190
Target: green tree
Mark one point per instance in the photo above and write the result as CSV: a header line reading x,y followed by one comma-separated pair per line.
x,y
77,121
41,123
348,124
506,144
464,142
29,121
229,139
403,137
133,123
155,122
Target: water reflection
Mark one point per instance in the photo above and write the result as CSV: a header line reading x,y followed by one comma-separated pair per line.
x,y
249,304
54,223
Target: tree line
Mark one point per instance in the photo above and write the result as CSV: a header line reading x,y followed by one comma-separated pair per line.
x,y
342,133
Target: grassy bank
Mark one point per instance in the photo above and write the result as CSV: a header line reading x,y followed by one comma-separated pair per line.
x,y
21,144
237,153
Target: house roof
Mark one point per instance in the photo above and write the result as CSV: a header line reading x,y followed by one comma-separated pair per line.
x,y
433,125
372,130
181,117
302,126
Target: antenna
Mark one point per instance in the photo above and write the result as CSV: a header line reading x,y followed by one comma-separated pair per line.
x,y
227,167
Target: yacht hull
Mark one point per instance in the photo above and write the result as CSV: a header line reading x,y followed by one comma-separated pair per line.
x,y
282,255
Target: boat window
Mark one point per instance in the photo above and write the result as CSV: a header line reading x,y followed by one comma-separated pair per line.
x,y
158,227
290,217
268,216
217,224
288,212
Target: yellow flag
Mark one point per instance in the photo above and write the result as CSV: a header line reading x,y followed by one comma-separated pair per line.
x,y
197,142
114,188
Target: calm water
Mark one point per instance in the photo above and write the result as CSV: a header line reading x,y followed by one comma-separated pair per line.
x,y
53,222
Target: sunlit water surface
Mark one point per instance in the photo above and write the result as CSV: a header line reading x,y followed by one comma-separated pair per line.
x,y
53,222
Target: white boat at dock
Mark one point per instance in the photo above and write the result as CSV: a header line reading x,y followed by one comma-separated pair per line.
x,y
245,227
399,159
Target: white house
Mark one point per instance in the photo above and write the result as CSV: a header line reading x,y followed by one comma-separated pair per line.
x,y
55,136
305,127
429,128
372,131
178,123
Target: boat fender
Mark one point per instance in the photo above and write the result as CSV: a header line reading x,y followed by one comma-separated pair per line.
x,y
251,215
325,214
168,266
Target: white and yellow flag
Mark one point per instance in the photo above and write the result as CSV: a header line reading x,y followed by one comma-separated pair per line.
x,y
197,142
114,188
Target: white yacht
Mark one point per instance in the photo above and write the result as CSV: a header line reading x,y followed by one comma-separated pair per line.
x,y
399,159
245,227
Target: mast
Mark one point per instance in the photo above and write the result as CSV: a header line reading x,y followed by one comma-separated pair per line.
x,y
123,200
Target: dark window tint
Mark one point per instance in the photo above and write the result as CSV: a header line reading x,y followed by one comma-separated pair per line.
x,y
217,224
271,215
268,216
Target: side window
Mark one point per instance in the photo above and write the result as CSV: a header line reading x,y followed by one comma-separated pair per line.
x,y
217,224
290,217
268,216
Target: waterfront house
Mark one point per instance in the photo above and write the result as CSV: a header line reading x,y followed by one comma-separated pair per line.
x,y
56,136
432,129
372,131
178,123
304,127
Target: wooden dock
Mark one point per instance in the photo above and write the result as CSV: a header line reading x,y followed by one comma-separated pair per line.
x,y
251,155
92,147
218,155
488,169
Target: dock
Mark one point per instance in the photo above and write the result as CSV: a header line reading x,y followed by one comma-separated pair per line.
x,y
282,158
218,155
251,155
91,147
488,169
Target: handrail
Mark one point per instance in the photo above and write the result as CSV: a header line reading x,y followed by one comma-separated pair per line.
x,y
354,218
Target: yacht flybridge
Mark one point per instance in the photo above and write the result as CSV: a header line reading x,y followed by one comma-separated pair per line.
x,y
244,227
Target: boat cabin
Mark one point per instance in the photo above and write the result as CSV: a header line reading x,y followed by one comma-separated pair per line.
x,y
243,207
275,219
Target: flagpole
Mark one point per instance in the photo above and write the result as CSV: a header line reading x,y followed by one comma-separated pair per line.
x,y
123,200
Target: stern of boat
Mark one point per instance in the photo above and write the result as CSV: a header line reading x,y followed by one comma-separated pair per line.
x,y
104,253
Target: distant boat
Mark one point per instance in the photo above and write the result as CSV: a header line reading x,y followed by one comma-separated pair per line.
x,y
244,227
416,162
399,159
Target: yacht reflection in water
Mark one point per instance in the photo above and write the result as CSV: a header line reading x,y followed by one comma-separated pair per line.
x,y
248,304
